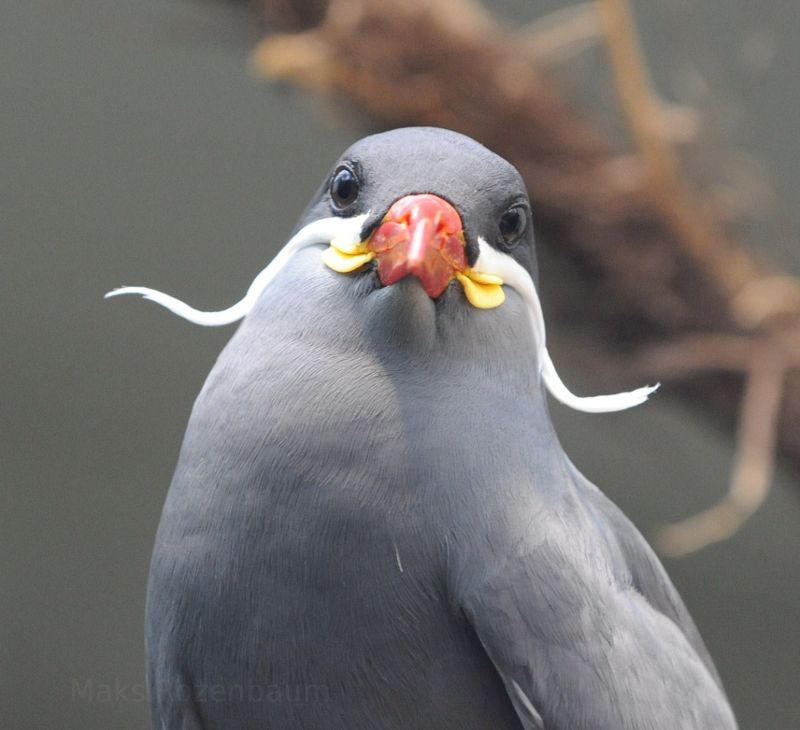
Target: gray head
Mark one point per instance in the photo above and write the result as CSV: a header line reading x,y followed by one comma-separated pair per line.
x,y
487,191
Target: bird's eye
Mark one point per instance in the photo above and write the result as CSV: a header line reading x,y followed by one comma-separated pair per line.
x,y
513,224
344,188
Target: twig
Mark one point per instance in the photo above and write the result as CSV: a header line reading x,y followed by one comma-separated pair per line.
x,y
753,468
644,113
694,354
767,297
562,34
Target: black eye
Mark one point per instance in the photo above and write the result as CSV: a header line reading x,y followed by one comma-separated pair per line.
x,y
513,224
344,188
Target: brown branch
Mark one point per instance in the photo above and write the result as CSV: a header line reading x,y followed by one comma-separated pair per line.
x,y
753,468
561,34
669,194
653,266
694,354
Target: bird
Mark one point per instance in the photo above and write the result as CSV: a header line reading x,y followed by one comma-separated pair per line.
x,y
372,522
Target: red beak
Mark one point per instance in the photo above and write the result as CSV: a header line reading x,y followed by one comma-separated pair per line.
x,y
420,235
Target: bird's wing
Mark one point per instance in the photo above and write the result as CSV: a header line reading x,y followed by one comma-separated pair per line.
x,y
642,568
586,630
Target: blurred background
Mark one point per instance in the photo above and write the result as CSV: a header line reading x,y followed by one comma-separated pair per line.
x,y
137,148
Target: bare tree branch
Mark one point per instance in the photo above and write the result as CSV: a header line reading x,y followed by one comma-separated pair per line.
x,y
753,468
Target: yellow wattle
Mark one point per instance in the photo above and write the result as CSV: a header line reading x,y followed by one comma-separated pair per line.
x,y
344,263
483,291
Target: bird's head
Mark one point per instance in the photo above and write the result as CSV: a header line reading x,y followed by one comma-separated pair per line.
x,y
435,205
426,216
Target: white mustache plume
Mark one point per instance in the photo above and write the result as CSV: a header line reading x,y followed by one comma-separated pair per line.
x,y
492,261
348,231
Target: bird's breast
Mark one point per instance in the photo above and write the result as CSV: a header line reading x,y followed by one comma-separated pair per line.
x,y
324,482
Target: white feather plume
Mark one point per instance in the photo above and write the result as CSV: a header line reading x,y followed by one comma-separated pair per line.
x,y
492,261
346,230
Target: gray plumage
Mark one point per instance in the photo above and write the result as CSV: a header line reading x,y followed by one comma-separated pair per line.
x,y
372,524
